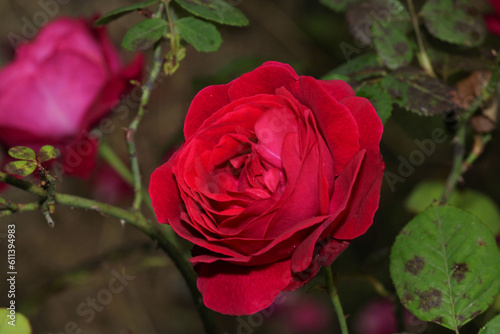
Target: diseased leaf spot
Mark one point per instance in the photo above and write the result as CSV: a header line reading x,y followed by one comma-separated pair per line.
x,y
415,265
430,299
407,297
438,320
459,270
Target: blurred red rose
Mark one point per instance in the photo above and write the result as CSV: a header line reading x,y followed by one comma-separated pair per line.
x,y
493,20
58,87
278,174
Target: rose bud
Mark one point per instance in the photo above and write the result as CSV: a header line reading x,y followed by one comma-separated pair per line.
x,y
277,175
59,86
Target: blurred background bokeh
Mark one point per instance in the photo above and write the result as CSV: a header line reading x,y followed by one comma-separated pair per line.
x,y
64,273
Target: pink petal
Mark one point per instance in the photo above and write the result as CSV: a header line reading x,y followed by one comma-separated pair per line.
x,y
235,290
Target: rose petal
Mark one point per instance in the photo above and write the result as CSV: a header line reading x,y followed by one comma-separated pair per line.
x,y
303,254
235,290
164,193
325,253
339,129
339,89
205,103
364,198
265,79
369,123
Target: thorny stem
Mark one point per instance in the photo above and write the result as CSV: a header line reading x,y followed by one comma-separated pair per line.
x,y
132,129
423,58
334,296
153,230
117,164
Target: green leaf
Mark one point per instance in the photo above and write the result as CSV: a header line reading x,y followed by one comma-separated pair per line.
x,y
363,17
393,47
360,68
492,327
379,97
338,5
117,13
444,265
215,10
22,153
415,91
47,153
202,35
22,325
469,200
454,21
143,35
21,167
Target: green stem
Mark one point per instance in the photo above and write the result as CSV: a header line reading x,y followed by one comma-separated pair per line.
x,y
456,170
15,208
422,56
117,164
334,296
132,129
107,153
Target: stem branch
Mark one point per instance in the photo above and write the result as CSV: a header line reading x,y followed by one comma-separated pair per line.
x,y
132,129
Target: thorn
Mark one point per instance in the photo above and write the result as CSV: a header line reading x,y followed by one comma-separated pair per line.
x,y
49,219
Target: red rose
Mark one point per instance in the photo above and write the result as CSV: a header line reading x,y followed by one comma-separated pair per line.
x,y
493,20
278,174
58,87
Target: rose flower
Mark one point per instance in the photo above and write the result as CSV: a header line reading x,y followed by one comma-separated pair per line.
x,y
59,86
278,174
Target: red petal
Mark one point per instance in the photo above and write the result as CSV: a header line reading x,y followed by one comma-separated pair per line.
x,y
236,290
265,79
205,103
337,88
325,253
303,254
165,193
369,124
334,120
364,198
